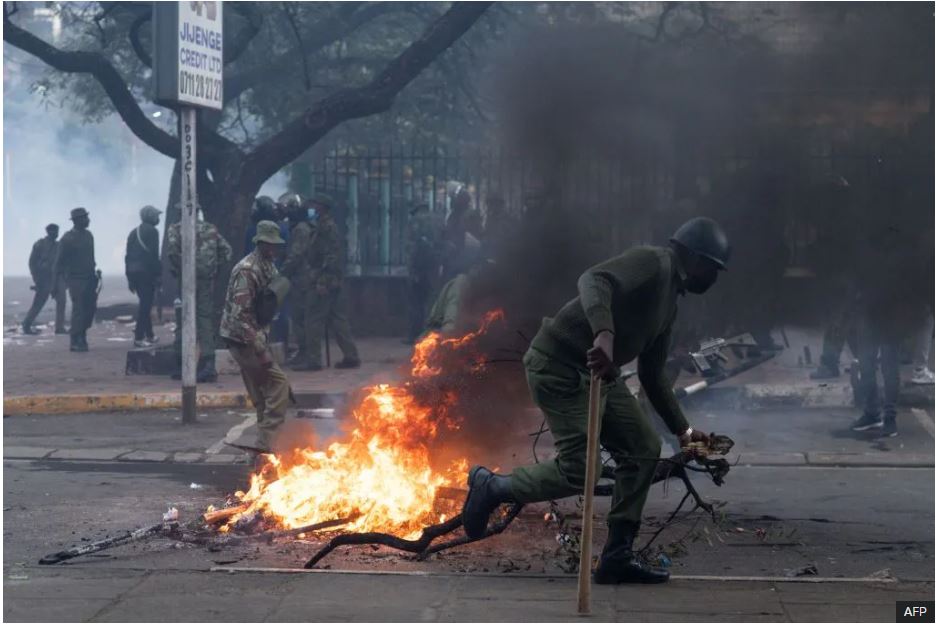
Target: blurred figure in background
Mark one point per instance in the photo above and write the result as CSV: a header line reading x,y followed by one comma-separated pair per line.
x,y
45,283
296,268
75,263
424,258
143,270
326,304
213,253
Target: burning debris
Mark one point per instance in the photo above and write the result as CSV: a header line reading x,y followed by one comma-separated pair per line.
x,y
387,469
396,478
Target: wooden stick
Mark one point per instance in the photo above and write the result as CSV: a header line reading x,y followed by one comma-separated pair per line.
x,y
590,480
211,517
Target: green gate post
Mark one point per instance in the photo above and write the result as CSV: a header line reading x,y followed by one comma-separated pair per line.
x,y
385,243
352,220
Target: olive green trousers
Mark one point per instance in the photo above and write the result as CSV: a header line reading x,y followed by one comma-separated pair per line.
x,y
561,391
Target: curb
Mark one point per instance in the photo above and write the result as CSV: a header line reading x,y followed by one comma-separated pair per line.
x,y
747,396
810,395
75,404
824,460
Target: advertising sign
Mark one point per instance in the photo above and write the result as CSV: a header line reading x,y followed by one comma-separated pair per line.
x,y
188,54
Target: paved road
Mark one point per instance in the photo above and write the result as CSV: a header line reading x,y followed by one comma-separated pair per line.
x,y
870,519
123,595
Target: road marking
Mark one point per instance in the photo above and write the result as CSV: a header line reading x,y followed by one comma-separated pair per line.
x,y
233,433
717,578
925,421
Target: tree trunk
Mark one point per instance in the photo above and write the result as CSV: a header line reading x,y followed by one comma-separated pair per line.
x,y
171,216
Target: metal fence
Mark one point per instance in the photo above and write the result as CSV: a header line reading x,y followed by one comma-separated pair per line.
x,y
618,196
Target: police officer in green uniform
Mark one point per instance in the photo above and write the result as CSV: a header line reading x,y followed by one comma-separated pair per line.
x,y
324,304
296,268
213,253
76,265
41,264
625,310
247,336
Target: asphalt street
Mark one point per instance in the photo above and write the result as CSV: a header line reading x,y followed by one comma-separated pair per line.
x,y
807,501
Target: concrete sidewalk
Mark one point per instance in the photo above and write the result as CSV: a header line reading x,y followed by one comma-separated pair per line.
x,y
43,377
87,594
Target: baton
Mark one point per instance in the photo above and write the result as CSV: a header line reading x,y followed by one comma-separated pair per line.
x,y
590,480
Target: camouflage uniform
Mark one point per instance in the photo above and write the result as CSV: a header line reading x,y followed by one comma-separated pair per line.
x,y
213,252
324,304
247,341
297,269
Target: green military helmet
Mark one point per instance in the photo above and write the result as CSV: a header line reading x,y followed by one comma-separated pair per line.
x,y
269,233
78,212
703,236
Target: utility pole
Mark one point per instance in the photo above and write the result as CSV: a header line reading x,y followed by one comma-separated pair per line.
x,y
187,74
188,210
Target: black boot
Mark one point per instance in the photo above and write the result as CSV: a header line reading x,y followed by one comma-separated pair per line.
x,y
868,421
28,330
619,565
487,491
74,343
205,371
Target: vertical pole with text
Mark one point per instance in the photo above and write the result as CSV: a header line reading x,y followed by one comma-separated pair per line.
x,y
188,208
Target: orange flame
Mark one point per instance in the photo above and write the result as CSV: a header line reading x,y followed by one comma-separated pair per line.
x,y
382,469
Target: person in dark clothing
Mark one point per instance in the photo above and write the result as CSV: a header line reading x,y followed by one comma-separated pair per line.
x,y
75,263
625,310
895,293
264,209
41,264
423,255
143,270
455,233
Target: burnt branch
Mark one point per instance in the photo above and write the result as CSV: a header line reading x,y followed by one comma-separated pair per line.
x,y
377,96
492,530
422,546
428,535
106,75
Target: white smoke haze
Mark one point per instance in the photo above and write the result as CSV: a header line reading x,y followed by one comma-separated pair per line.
x,y
53,161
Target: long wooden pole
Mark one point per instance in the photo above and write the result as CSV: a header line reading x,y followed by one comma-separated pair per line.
x,y
590,481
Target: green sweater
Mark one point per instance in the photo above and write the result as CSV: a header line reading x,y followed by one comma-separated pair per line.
x,y
634,296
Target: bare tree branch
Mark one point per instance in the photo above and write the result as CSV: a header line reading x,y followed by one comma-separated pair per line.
x,y
104,72
296,32
239,43
663,17
375,97
323,34
134,35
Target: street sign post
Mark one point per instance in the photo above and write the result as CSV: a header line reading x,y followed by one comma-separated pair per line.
x,y
187,74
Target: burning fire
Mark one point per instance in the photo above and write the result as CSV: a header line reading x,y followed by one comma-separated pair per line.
x,y
382,469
